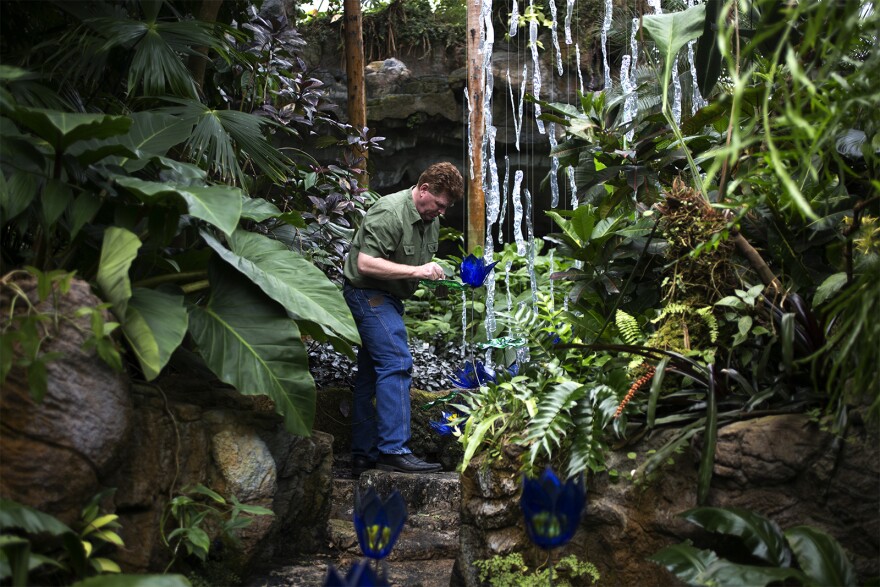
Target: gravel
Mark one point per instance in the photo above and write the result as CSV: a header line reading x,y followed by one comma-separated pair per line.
x,y
433,363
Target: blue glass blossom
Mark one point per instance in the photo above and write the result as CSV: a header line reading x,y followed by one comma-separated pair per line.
x,y
474,270
451,423
378,523
360,575
552,510
472,376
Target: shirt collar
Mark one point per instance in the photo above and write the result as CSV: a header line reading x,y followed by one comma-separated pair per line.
x,y
412,214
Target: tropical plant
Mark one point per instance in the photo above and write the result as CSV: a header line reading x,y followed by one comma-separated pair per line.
x,y
37,548
511,571
801,553
151,205
198,510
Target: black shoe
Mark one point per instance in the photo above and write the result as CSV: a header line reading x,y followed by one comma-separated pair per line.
x,y
360,464
406,463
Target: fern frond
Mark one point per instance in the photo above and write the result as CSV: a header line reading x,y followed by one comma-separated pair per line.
x,y
552,421
629,328
591,415
711,322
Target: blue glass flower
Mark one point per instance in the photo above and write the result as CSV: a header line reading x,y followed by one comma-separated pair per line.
x,y
552,510
378,523
360,575
472,376
474,270
451,423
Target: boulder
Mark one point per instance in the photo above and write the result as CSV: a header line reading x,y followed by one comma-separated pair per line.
x,y
57,452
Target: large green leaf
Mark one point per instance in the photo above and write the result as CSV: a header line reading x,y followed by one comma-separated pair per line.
x,y
118,250
154,326
62,129
117,580
685,561
708,54
820,557
670,32
258,209
17,195
762,536
723,573
289,279
249,342
151,134
218,204
16,515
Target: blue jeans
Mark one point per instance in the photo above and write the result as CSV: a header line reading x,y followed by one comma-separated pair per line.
x,y
384,374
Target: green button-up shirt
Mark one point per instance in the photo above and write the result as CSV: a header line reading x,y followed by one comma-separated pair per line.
x,y
393,230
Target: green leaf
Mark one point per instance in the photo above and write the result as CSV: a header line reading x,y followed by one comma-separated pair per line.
x,y
151,134
710,437
685,561
249,342
708,55
84,208
656,386
118,250
258,209
16,515
762,536
154,325
218,204
829,288
289,279
670,32
134,581
21,189
57,195
476,439
207,492
727,574
820,557
62,129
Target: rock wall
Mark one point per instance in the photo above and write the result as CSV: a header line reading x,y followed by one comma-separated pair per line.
x,y
96,430
783,467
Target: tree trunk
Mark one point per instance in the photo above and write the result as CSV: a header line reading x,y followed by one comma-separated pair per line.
x,y
476,200
207,13
354,69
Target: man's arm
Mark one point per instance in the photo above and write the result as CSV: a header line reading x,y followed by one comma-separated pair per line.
x,y
379,268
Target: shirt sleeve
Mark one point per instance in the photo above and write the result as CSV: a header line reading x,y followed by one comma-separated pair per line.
x,y
381,234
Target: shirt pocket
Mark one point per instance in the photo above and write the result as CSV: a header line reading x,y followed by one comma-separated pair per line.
x,y
409,250
432,248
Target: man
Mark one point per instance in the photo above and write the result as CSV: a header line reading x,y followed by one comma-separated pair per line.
x,y
390,253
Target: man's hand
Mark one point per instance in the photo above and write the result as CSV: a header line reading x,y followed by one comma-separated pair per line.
x,y
431,271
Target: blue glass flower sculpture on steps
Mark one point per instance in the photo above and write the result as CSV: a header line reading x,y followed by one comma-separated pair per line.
x,y
552,509
451,423
360,575
378,523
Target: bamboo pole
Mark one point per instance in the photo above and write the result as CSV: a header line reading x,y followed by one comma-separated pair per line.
x,y
476,200
354,71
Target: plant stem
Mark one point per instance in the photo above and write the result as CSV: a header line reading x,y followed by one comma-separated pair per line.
x,y
170,278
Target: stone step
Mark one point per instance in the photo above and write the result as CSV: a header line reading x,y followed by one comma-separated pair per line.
x,y
311,571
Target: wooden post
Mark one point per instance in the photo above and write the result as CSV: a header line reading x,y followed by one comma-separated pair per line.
x,y
354,71
476,199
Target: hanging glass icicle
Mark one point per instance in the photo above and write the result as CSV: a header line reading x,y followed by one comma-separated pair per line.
x,y
470,120
521,248
569,9
572,184
606,26
507,267
577,58
554,166
514,19
517,113
697,101
629,92
631,104
463,323
504,201
530,259
552,271
536,66
492,209
553,32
